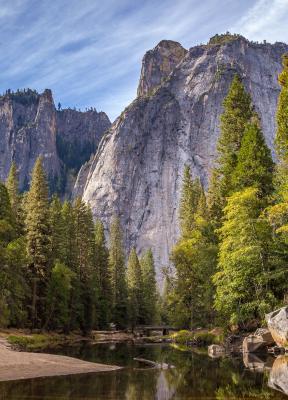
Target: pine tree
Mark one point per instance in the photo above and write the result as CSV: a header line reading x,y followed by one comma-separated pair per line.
x,y
237,113
38,236
278,214
188,202
7,221
282,114
135,289
149,292
12,186
69,236
57,230
194,258
84,231
254,166
102,266
58,298
243,287
118,274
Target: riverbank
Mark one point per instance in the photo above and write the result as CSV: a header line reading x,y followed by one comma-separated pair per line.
x,y
15,365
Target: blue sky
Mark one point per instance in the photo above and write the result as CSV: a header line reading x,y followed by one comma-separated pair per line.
x,y
89,52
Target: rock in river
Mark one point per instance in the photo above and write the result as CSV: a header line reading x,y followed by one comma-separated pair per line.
x,y
277,322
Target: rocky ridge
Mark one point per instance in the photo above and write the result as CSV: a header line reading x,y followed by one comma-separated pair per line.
x,y
31,126
137,170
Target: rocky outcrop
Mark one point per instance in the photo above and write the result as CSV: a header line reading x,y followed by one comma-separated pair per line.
x,y
258,342
30,126
28,129
278,377
158,63
277,322
137,171
78,135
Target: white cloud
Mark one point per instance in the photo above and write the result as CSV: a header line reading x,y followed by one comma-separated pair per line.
x,y
89,53
266,19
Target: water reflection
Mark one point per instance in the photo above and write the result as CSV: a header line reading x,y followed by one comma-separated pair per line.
x,y
278,378
195,376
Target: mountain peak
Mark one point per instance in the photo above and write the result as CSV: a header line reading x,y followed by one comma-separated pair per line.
x,y
158,63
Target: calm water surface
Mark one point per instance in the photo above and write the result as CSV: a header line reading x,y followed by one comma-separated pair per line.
x,y
195,376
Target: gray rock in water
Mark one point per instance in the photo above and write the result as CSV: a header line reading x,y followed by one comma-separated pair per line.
x,y
277,322
257,363
215,351
137,171
278,378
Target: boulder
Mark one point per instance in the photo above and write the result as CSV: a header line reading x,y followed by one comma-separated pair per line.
x,y
257,363
215,350
265,334
277,322
257,342
253,344
278,377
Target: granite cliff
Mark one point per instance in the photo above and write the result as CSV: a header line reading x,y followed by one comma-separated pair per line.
x,y
31,126
137,170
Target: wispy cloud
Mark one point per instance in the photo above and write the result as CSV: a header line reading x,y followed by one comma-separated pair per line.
x,y
266,19
89,52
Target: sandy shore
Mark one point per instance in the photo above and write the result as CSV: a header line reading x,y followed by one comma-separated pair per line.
x,y
16,365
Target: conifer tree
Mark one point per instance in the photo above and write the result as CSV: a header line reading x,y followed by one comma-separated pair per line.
x,y
188,202
135,289
69,236
254,166
149,291
102,265
58,298
237,113
12,186
38,237
84,231
57,230
243,279
278,214
194,258
7,221
117,274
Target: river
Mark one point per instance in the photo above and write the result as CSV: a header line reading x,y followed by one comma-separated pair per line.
x,y
195,376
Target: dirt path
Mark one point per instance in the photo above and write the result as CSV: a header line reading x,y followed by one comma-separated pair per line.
x,y
16,365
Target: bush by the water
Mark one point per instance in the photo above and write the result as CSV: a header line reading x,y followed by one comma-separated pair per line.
x,y
196,338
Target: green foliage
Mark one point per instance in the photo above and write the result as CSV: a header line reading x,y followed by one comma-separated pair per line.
x,y
237,113
149,292
223,38
282,114
243,279
74,153
254,166
194,258
135,289
58,297
102,266
118,274
38,238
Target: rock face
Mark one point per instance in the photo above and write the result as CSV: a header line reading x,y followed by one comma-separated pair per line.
x,y
278,377
30,126
137,171
158,63
257,342
277,322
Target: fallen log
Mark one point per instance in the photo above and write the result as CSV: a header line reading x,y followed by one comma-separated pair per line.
x,y
154,364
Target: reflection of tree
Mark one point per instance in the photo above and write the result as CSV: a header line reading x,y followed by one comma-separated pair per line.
x,y
195,376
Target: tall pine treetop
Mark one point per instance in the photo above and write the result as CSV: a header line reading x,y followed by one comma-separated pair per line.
x,y
254,162
282,114
237,113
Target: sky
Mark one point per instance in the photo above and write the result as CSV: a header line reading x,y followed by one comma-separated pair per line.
x,y
89,52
